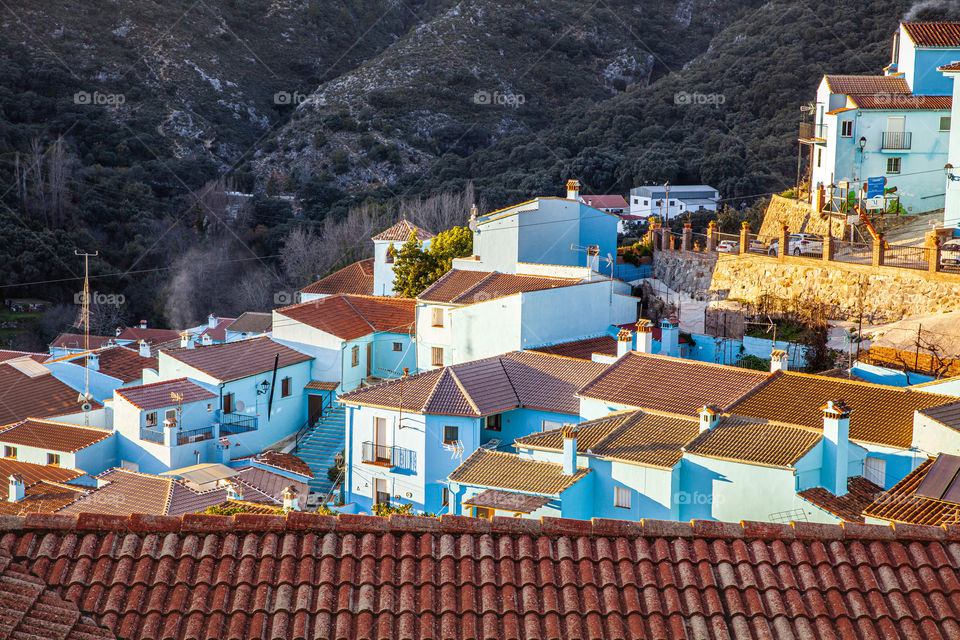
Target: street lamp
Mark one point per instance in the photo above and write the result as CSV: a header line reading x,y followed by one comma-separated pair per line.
x,y
263,387
863,143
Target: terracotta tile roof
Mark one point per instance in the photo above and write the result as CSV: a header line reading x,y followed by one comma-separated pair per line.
x,y
235,360
755,442
902,504
244,506
150,336
356,278
499,470
934,34
860,493
42,396
308,575
350,317
615,201
252,322
899,103
54,436
866,85
881,415
33,610
219,332
320,385
953,66
520,378
7,354
42,497
118,362
582,349
285,461
946,414
156,395
466,287
629,436
671,385
401,231
32,474
75,341
507,501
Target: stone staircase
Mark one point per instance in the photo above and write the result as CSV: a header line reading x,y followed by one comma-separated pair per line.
x,y
320,446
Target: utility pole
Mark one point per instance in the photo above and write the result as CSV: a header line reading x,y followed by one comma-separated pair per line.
x,y
666,186
85,313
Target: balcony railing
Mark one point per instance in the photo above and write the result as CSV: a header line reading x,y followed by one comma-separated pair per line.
x,y
896,139
233,423
810,131
151,435
194,435
389,456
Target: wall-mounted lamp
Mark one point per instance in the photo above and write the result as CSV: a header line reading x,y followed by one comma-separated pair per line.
x,y
863,143
263,387
948,171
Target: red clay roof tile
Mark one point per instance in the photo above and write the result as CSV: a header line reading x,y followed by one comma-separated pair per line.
x,y
43,396
860,494
53,436
934,34
466,287
349,317
156,395
76,341
122,363
401,231
356,278
235,360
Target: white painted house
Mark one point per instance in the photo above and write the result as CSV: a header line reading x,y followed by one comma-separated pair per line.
x,y
672,200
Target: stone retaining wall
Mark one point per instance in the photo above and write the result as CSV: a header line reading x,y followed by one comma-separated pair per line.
x,y
798,216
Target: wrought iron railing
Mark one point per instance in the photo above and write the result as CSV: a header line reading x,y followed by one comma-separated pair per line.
x,y
194,435
233,423
389,456
857,252
151,435
896,139
906,257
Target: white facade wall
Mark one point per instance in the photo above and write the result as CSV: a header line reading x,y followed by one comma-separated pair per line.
x,y
932,437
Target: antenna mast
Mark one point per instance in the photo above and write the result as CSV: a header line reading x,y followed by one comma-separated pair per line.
x,y
85,313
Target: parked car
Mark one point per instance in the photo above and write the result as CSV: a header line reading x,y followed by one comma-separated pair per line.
x,y
757,246
950,253
799,244
728,246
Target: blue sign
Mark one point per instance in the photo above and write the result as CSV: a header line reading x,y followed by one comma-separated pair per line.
x,y
875,186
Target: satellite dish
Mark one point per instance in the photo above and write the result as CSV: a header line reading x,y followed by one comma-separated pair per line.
x,y
86,406
241,405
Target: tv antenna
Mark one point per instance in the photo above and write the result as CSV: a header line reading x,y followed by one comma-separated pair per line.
x,y
85,316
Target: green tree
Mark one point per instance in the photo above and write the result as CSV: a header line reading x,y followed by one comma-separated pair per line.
x,y
415,269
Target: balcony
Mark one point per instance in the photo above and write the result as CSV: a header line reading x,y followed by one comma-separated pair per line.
x,y
194,435
388,456
896,140
151,434
812,133
234,423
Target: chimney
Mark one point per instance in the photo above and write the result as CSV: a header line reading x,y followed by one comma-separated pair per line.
x,y
624,343
212,321
224,451
206,340
186,340
474,212
644,336
573,189
778,360
234,491
143,324
670,336
16,489
569,450
117,331
144,349
836,444
290,502
709,417
93,361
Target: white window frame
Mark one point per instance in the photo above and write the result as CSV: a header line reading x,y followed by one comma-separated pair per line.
x,y
436,356
874,470
846,128
436,317
150,418
899,162
622,497
550,425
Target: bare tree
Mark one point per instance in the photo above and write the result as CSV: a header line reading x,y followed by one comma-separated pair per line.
x,y
442,211
303,257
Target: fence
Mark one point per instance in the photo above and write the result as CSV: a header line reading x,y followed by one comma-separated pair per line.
x,y
856,252
907,257
151,435
631,272
234,423
195,435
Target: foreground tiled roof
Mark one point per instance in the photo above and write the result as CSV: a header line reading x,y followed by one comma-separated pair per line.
x,y
122,363
75,341
583,349
235,360
312,576
465,287
520,378
252,322
866,85
356,278
34,475
934,34
671,385
53,436
630,436
901,504
881,414
350,317
755,442
932,103
860,493
499,470
156,395
43,396
32,610
401,231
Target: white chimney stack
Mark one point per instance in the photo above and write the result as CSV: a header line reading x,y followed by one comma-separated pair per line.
x,y
624,343
186,340
206,340
644,336
573,189
778,360
836,445
569,450
93,361
143,324
144,349
16,488
709,417
212,321
670,336
290,502
234,491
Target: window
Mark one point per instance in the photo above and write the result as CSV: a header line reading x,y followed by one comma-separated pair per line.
x,y
170,416
494,422
381,495
151,419
228,403
355,356
846,129
10,452
451,434
389,254
893,165
445,497
398,346
436,317
621,497
819,157
646,202
549,425
673,202
436,356
875,470
481,512
944,123
209,407
285,387
53,459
